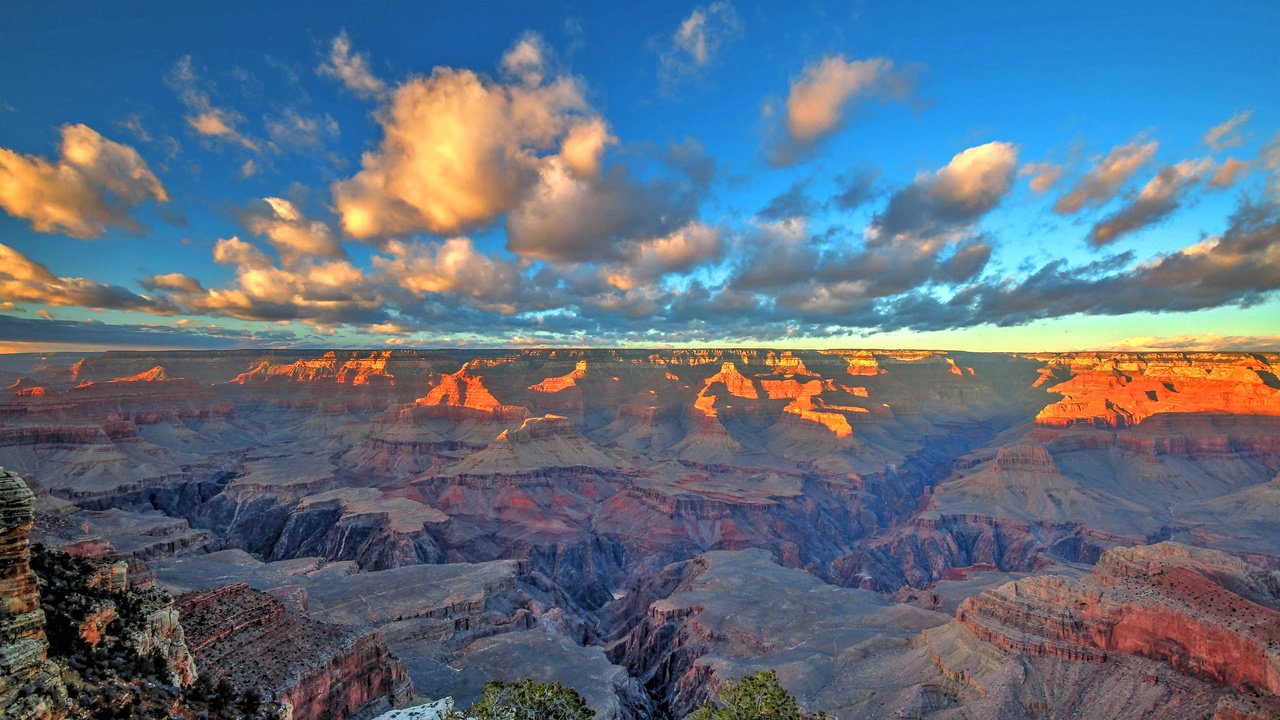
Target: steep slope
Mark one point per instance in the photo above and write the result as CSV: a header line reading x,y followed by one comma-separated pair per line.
x,y
30,686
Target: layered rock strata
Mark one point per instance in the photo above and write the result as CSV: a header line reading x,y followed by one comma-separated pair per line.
x,y
322,671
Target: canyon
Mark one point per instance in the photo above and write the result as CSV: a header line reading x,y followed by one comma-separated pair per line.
x,y
901,533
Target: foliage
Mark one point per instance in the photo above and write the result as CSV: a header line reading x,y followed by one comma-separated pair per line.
x,y
754,697
528,700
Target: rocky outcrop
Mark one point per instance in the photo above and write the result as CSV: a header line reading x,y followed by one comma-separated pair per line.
x,y
1203,612
354,371
30,688
1119,390
562,382
539,444
363,525
322,671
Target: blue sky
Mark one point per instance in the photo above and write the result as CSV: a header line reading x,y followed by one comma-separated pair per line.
x,y
1014,177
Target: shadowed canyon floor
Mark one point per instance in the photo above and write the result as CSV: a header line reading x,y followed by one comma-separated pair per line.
x,y
899,533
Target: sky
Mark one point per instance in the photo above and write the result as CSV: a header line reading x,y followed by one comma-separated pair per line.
x,y
995,176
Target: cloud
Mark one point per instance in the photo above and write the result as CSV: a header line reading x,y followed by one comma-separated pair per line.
x,y
454,266
173,281
1227,135
697,42
859,188
1156,201
583,148
295,131
292,235
1269,160
822,97
92,185
203,116
321,291
922,238
1210,342
94,333
1228,172
967,187
646,261
1044,175
792,202
565,218
1239,267
1106,178
352,69
25,280
459,149
526,60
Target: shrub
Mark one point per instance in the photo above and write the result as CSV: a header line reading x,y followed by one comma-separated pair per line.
x,y
754,697
528,700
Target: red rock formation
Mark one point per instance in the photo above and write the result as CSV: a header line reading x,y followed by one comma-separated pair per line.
x,y
155,374
1118,390
735,382
1204,612
352,371
563,382
463,390
861,363
323,671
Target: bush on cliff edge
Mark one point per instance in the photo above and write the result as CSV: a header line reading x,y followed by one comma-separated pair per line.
x,y
754,697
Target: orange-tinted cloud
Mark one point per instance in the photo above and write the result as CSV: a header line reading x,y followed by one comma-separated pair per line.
x,y
27,281
1228,172
351,68
1227,135
459,149
92,185
293,235
203,116
820,100
961,191
1162,195
1108,175
1044,175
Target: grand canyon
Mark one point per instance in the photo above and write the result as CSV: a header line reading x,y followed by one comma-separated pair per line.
x,y
678,360
910,534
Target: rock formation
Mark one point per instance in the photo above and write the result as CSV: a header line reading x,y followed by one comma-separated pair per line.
x,y
1203,612
320,670
30,688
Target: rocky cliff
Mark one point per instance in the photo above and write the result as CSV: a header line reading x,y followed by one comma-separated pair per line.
x,y
1203,612
322,671
30,687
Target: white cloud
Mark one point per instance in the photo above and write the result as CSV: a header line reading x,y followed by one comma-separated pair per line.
x,y
699,39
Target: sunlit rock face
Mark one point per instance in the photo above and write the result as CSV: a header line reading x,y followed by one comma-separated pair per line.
x,y
540,505
1125,389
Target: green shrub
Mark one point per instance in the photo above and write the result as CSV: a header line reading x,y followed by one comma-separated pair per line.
x,y
528,700
754,697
